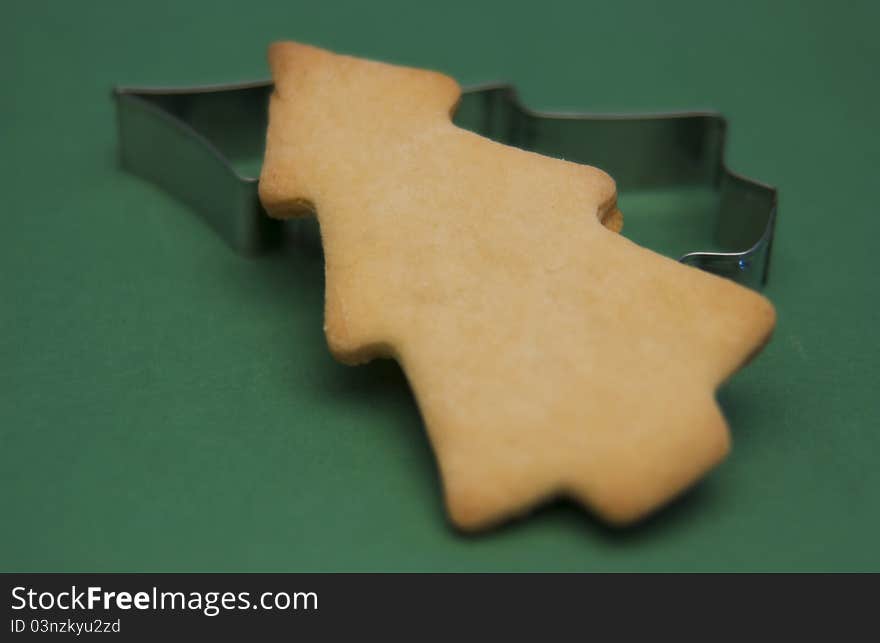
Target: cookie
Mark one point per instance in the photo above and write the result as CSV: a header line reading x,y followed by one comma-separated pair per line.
x,y
549,356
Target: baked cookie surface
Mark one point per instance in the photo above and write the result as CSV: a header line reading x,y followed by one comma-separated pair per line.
x,y
548,354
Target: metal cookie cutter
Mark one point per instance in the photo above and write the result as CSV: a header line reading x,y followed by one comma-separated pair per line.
x,y
202,145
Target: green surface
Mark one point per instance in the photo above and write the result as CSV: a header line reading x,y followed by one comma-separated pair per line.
x,y
168,405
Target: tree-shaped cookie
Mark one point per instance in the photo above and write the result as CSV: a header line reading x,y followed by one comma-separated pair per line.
x,y
548,355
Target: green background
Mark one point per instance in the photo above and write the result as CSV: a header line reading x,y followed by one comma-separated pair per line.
x,y
166,405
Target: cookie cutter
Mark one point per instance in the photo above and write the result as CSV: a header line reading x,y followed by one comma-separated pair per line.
x,y
203,145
